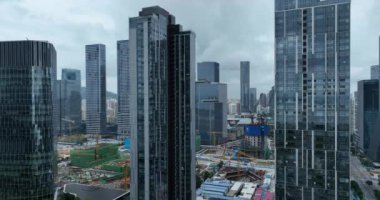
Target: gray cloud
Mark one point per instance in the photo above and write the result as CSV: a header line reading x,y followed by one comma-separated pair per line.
x,y
227,32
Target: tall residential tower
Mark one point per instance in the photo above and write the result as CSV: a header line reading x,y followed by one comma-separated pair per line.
x,y
96,89
312,94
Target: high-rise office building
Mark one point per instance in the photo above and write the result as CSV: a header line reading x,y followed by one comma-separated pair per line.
x,y
71,100
211,112
181,106
161,66
123,123
312,94
208,71
244,86
26,125
253,100
96,114
368,118
375,72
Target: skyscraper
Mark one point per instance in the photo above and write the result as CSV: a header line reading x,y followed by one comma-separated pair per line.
x,y
244,86
71,100
211,112
375,72
181,106
312,93
253,100
123,123
26,119
368,118
96,89
208,71
161,64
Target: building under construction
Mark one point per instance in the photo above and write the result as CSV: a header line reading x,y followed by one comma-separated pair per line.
x,y
91,157
255,142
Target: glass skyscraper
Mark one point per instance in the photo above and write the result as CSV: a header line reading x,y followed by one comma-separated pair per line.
x,y
312,94
71,100
244,86
208,71
161,77
96,89
123,120
26,120
368,120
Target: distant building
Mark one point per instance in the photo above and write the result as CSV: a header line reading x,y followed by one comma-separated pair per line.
x,y
208,71
253,100
353,119
112,107
161,75
375,72
211,112
59,108
271,102
71,100
244,86
123,112
211,105
96,89
263,100
368,118
27,95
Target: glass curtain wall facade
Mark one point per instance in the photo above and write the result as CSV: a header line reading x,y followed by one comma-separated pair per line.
x,y
161,79
181,114
244,86
96,114
312,93
208,71
71,100
27,71
211,112
368,118
123,123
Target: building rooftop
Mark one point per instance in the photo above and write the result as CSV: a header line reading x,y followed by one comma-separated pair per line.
x,y
94,192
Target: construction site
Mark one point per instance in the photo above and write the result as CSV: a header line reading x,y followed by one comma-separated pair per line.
x,y
93,161
227,172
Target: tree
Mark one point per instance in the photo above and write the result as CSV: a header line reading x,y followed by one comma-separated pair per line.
x,y
220,165
198,181
377,194
355,187
369,182
207,175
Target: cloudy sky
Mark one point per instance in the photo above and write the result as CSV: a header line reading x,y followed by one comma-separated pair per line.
x,y
228,31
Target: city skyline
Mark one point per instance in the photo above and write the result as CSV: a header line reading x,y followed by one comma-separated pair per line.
x,y
110,23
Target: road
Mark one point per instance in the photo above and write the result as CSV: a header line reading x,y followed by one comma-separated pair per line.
x,y
360,174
